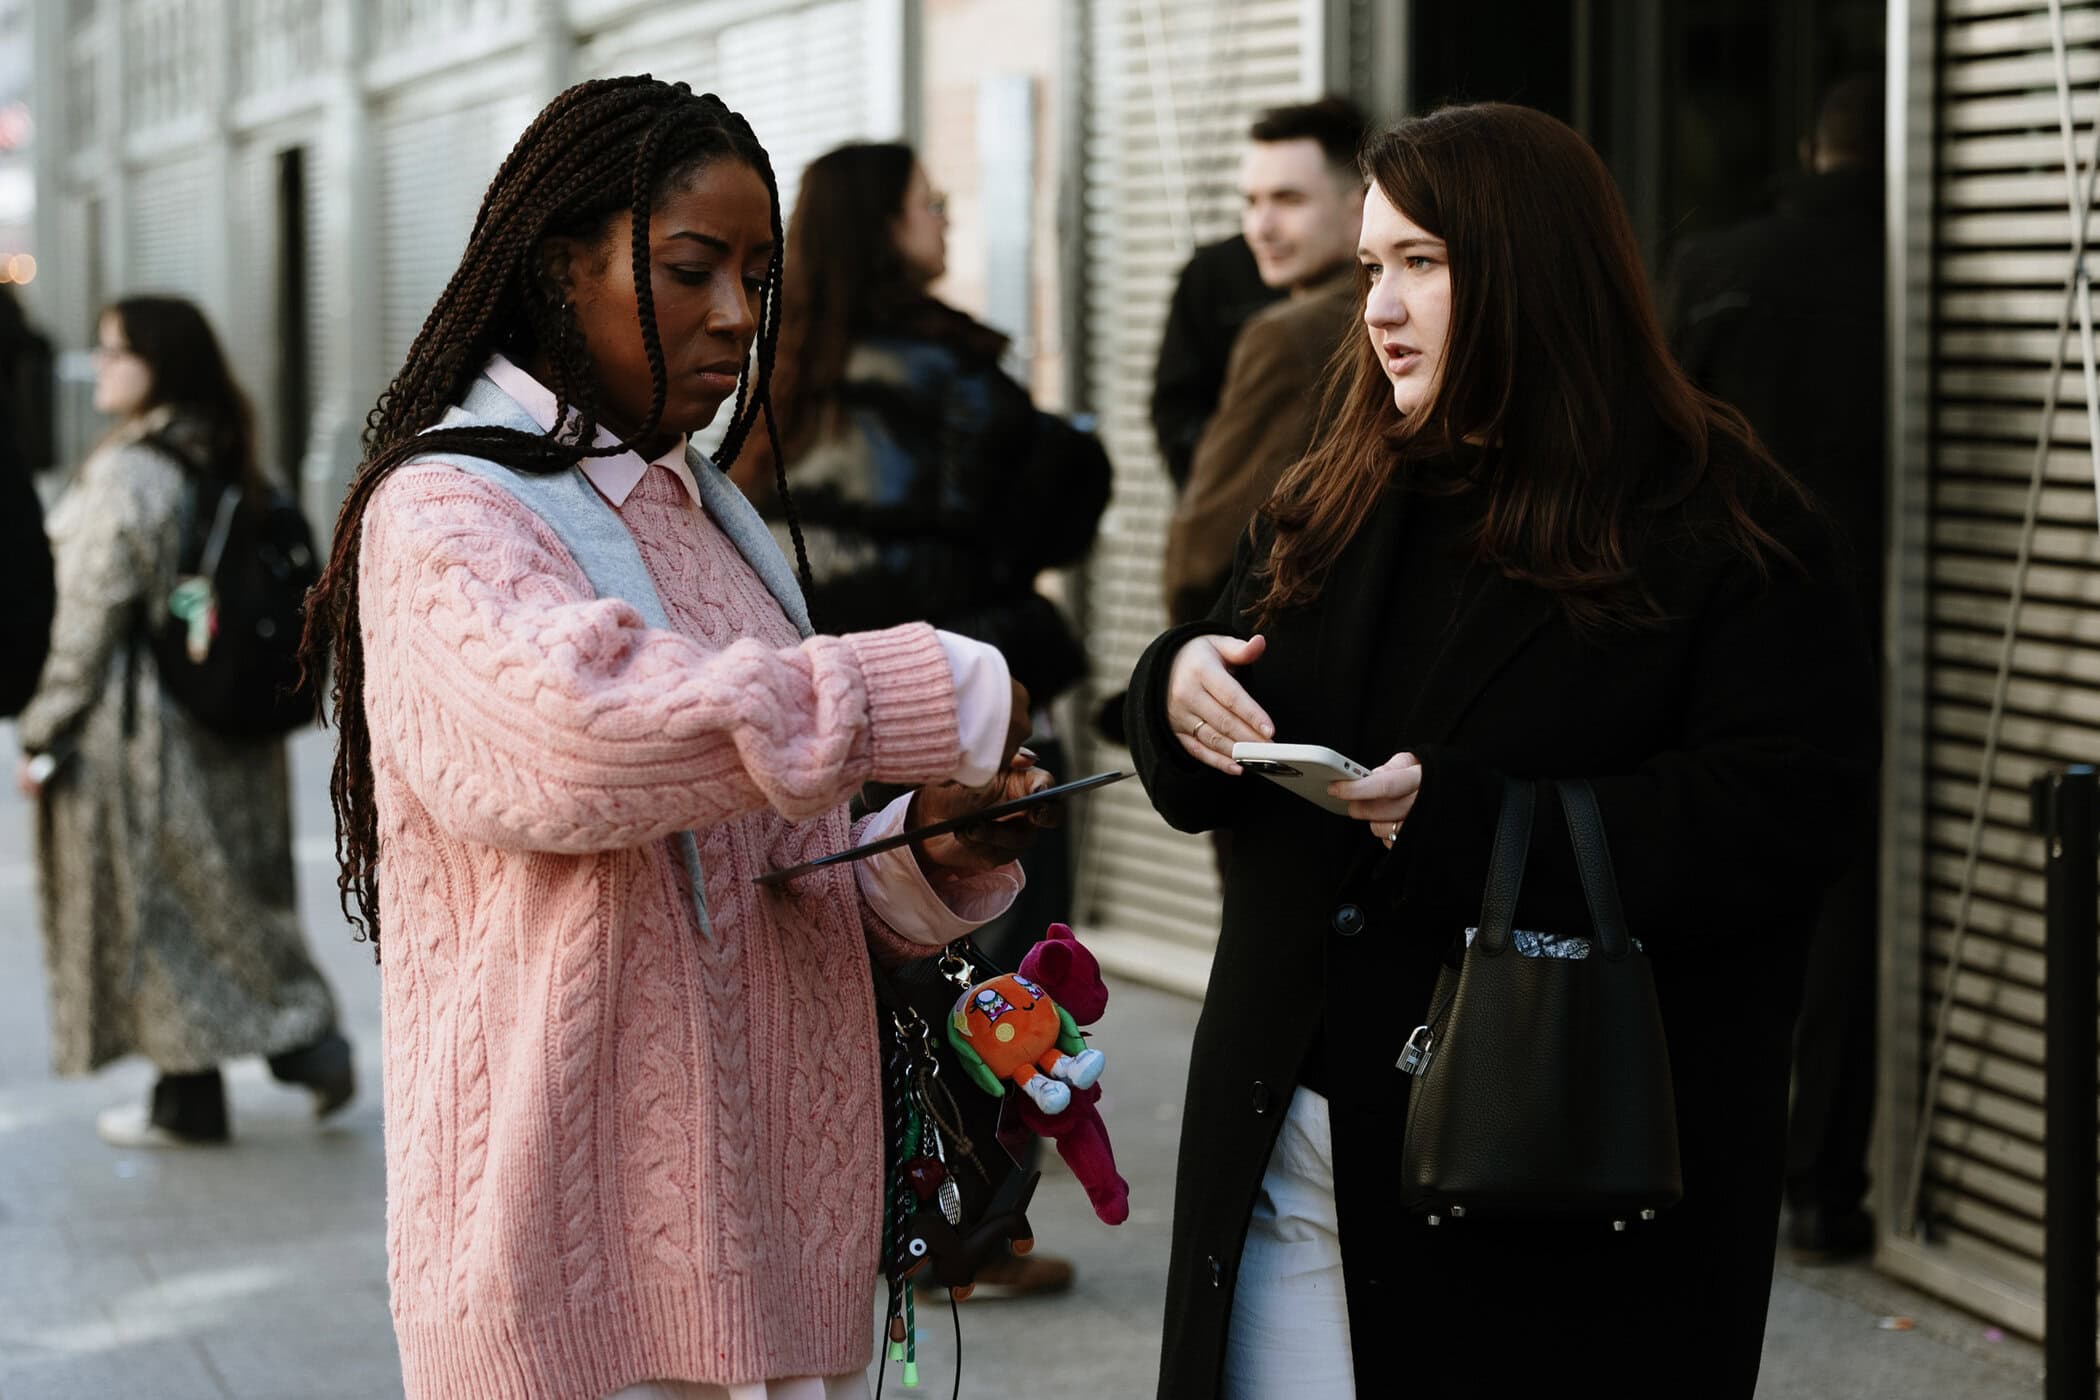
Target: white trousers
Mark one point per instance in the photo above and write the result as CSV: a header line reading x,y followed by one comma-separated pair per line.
x,y
1289,1335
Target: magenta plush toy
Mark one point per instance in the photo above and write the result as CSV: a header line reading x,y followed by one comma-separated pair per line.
x,y
1070,975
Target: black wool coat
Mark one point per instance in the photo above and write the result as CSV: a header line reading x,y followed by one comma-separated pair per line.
x,y
27,583
1728,750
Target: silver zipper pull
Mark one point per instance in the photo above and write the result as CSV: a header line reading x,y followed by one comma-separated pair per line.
x,y
1414,1059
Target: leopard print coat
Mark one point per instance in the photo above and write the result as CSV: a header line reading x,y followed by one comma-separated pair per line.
x,y
164,856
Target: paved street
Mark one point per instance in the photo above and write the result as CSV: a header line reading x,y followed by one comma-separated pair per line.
x,y
257,1272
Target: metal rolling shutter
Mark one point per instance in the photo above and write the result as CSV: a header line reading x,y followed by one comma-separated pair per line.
x,y
801,80
2002,247
799,75
434,167
682,55
168,229
1172,85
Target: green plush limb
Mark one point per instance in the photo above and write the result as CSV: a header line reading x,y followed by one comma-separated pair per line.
x,y
980,1073
1070,1040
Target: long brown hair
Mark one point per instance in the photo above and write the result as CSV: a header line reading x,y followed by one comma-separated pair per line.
x,y
190,375
846,279
1556,367
598,149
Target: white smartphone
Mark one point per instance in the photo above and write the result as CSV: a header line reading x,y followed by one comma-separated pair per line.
x,y
1305,769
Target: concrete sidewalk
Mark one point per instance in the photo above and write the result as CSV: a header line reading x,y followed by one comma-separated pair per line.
x,y
257,1272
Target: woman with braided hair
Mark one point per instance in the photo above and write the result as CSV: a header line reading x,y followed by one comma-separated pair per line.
x,y
634,1144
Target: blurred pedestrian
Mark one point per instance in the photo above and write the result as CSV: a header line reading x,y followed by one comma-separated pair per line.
x,y
908,446
1524,547
1783,317
911,453
1301,204
1219,290
634,1134
26,581
164,850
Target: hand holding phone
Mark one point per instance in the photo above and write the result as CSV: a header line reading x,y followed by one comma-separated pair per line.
x,y
1305,769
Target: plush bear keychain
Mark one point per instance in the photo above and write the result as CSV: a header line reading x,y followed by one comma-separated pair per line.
x,y
1061,988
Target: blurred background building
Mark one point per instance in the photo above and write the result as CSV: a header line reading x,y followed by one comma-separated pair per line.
x,y
17,137
308,170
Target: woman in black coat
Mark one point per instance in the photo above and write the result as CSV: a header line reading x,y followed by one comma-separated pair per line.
x,y
1524,547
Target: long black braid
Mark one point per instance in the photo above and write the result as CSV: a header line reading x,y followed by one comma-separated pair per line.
x,y
599,148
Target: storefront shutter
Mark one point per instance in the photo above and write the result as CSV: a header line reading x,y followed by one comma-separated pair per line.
x,y
2001,250
1171,88
170,226
434,167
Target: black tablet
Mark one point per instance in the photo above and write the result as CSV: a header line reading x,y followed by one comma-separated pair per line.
x,y
903,838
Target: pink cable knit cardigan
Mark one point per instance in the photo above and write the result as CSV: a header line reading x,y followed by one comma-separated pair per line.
x,y
616,1152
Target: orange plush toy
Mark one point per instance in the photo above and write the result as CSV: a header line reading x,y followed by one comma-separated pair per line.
x,y
1008,1029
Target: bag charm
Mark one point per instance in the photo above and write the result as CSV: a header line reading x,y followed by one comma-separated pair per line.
x,y
1061,966
954,1199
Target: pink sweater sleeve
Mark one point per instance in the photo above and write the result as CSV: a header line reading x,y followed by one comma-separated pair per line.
x,y
524,712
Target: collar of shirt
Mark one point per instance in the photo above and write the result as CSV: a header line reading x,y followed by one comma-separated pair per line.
x,y
615,477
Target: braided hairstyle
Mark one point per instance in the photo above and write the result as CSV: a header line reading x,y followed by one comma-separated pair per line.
x,y
599,149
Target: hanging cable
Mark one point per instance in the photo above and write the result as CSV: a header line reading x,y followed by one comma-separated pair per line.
x,y
2078,300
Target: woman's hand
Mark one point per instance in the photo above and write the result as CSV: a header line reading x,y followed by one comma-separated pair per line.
x,y
988,845
1207,709
26,779
1385,797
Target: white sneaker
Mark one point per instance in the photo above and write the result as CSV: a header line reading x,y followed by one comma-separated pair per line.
x,y
1081,1070
1049,1095
132,1125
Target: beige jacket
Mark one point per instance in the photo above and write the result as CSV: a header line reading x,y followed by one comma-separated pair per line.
x,y
1264,423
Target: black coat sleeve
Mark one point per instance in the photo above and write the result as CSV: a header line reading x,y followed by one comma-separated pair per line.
x,y
1185,382
1747,817
1190,795
25,622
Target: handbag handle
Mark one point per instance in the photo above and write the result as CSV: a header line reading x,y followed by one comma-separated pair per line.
x,y
1498,906
1600,885
1593,865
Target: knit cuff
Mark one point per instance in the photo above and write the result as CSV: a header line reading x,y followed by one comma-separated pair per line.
x,y
911,703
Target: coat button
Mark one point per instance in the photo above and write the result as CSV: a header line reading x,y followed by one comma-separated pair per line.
x,y
1217,1271
1348,921
1261,1097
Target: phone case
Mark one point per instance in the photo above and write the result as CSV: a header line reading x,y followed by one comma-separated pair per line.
x,y
1306,769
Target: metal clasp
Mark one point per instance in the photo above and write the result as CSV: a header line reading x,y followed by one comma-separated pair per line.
x,y
1414,1059
957,969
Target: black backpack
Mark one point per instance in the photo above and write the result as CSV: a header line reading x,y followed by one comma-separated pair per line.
x,y
228,647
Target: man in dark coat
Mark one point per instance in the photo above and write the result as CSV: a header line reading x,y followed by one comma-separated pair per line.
x,y
1783,317
1303,204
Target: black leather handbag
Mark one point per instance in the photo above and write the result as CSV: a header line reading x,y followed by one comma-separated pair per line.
x,y
1542,1084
